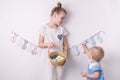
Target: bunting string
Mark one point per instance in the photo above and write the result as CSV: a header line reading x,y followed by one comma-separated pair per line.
x,y
76,49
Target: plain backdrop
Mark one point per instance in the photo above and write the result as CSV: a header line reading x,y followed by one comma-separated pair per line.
x,y
85,17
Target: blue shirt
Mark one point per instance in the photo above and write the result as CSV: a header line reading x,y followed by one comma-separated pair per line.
x,y
95,68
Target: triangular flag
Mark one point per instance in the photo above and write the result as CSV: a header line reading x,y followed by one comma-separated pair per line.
x,y
29,47
93,42
19,41
99,38
13,37
80,48
24,45
75,50
34,50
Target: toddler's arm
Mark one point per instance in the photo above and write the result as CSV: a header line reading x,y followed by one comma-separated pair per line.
x,y
94,75
86,49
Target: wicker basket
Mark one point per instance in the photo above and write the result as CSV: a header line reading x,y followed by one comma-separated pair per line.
x,y
52,55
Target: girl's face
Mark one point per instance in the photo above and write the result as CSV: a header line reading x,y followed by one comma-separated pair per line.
x,y
58,18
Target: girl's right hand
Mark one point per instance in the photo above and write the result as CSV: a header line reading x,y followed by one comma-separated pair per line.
x,y
51,45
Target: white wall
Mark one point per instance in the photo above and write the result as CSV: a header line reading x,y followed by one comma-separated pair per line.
x,y
85,17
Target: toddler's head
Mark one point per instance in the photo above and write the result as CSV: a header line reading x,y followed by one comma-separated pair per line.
x,y
97,53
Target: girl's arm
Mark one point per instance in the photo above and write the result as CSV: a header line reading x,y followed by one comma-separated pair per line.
x,y
94,75
41,42
65,44
45,45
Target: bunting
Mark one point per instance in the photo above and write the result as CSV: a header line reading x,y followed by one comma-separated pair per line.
x,y
76,49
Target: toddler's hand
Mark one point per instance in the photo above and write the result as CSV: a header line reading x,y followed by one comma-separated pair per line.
x,y
84,43
84,74
51,45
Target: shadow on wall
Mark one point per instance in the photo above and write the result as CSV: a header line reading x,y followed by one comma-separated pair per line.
x,y
71,65
68,17
109,63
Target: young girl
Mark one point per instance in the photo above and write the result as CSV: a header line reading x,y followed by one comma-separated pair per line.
x,y
95,54
53,37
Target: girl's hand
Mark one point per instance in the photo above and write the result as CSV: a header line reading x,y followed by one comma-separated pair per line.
x,y
84,74
51,45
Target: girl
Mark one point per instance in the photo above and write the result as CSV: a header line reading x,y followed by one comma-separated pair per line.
x,y
53,36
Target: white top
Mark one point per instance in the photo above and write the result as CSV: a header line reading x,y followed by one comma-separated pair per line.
x,y
91,64
53,35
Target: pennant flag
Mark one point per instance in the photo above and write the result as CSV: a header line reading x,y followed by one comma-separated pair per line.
x,y
80,48
19,41
29,47
38,50
34,50
99,38
92,40
14,36
24,45
75,50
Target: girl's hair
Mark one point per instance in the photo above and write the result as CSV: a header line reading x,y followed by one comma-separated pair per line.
x,y
58,9
99,54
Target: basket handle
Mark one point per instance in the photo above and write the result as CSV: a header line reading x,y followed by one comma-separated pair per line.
x,y
64,50
48,50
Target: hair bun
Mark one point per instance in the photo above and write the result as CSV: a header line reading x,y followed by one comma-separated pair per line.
x,y
59,4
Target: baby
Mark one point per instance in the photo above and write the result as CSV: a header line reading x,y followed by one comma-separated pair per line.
x,y
95,54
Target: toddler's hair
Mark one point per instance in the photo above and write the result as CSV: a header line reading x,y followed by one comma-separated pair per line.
x,y
98,53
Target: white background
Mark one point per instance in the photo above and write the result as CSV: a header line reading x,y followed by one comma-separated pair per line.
x,y
85,17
